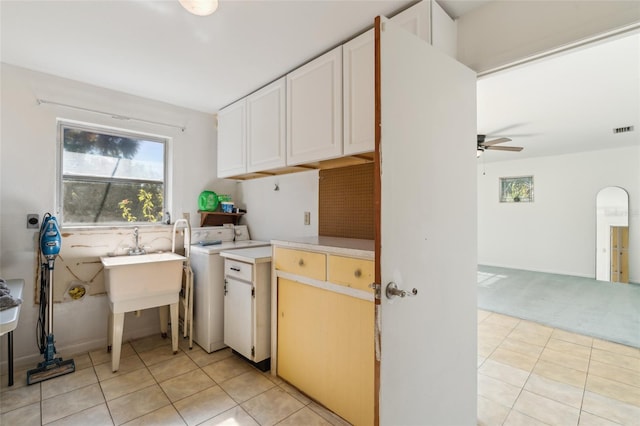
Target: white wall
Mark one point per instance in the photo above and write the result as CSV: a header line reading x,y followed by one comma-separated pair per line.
x,y
28,182
557,232
280,214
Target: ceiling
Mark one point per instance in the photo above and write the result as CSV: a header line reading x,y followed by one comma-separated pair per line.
x,y
157,50
566,103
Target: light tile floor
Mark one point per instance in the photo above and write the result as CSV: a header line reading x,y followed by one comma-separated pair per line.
x,y
528,374
532,374
155,387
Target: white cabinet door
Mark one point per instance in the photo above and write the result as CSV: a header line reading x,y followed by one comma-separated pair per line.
x,y
358,94
428,364
232,141
314,110
238,316
266,131
416,20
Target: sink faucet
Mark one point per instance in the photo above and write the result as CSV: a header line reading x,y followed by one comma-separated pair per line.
x,y
137,249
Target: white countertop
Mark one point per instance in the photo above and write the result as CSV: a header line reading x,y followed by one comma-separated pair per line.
x,y
9,317
228,245
249,255
342,246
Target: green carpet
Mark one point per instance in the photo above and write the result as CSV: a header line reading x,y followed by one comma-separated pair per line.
x,y
609,311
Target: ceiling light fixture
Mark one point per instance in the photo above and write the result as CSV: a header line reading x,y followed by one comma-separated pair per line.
x,y
200,7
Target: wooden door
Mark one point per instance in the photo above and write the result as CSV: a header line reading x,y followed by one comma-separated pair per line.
x,y
620,254
426,239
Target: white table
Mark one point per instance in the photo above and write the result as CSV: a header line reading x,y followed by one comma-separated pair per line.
x,y
9,320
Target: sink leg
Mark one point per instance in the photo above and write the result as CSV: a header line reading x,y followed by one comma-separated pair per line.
x,y
163,311
116,340
110,331
174,327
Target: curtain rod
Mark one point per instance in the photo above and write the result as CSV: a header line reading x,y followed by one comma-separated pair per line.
x,y
115,116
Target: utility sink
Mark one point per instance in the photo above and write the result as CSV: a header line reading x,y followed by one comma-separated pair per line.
x,y
140,282
132,278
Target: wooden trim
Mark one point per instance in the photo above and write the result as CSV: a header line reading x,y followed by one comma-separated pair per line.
x,y
377,191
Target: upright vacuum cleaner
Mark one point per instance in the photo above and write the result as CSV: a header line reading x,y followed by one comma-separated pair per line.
x,y
50,242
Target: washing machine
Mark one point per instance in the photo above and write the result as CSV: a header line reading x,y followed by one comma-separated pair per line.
x,y
208,279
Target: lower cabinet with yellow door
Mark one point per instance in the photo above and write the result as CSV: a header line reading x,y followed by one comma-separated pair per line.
x,y
323,329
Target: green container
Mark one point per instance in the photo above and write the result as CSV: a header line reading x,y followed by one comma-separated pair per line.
x,y
208,201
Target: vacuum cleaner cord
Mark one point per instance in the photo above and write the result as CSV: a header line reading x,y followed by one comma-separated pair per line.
x,y
41,333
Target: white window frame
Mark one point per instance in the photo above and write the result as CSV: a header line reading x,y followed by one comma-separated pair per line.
x,y
505,199
62,124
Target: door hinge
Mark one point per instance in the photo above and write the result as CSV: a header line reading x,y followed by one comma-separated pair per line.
x,y
253,351
225,287
253,292
377,289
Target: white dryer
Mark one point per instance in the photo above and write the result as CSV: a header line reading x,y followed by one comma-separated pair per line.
x,y
208,280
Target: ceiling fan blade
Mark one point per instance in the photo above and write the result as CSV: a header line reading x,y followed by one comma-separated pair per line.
x,y
505,148
496,141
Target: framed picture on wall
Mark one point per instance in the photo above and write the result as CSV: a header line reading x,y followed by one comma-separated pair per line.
x,y
517,189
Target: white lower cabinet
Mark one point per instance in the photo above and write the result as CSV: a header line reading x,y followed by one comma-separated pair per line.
x,y
247,304
238,316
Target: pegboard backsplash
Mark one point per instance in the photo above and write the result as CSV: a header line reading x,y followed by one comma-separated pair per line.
x,y
346,202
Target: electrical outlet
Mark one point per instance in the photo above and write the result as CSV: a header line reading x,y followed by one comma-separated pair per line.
x,y
33,221
307,218
187,215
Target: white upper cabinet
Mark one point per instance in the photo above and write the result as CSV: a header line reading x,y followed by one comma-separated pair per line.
x,y
314,110
358,95
232,141
416,20
444,31
266,131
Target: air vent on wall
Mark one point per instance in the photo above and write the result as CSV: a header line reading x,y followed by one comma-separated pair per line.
x,y
623,129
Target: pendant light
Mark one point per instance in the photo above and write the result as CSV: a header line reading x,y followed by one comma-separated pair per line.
x,y
200,7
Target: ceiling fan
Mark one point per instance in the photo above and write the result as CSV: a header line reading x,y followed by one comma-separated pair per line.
x,y
484,145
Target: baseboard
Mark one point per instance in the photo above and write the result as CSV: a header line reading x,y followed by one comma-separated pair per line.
x,y
572,274
67,352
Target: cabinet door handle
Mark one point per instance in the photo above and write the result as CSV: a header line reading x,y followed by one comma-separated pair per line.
x,y
301,262
233,268
357,273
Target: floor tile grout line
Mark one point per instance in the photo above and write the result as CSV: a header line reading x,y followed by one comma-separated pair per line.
x,y
171,403
238,404
489,356
102,391
584,389
522,389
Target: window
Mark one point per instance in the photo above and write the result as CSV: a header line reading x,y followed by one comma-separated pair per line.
x,y
516,189
110,177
